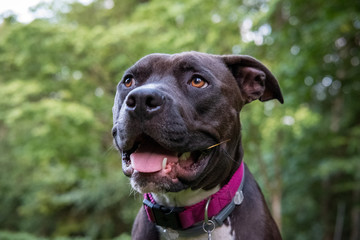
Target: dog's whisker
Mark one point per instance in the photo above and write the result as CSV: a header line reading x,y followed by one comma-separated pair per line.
x,y
133,192
228,155
215,145
108,150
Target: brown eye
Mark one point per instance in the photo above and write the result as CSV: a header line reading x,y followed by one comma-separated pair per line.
x,y
198,82
129,81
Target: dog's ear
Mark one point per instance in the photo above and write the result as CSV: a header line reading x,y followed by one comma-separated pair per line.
x,y
254,79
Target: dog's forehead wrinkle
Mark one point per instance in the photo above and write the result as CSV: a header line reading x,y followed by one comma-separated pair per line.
x,y
149,64
197,62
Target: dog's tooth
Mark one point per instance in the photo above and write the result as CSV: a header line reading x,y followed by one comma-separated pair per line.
x,y
164,163
185,156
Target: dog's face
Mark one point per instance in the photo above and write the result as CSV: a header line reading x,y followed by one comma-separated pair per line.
x,y
170,110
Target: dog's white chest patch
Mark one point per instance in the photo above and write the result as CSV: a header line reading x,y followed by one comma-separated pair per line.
x,y
223,233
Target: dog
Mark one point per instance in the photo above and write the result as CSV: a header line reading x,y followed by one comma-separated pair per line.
x,y
176,123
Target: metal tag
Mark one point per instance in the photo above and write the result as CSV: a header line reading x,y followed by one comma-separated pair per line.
x,y
170,234
238,198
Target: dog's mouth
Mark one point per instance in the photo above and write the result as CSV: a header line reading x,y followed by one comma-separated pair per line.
x,y
147,157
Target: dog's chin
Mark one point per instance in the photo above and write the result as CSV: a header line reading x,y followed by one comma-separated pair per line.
x,y
144,183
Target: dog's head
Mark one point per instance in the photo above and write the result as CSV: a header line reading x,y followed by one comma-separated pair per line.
x,y
170,110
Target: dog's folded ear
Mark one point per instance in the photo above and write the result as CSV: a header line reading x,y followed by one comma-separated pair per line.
x,y
254,79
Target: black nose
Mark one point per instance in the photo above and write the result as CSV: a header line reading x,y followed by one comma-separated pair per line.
x,y
145,102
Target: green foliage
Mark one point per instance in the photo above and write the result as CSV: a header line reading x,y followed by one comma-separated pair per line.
x,y
59,175
18,236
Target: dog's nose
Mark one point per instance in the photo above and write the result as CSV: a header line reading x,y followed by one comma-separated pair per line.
x,y
145,102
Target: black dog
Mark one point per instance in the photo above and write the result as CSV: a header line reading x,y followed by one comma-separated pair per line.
x,y
177,126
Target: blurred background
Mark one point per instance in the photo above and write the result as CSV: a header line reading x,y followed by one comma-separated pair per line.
x,y
60,177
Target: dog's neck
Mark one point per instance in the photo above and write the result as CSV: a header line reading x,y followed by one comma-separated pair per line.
x,y
183,198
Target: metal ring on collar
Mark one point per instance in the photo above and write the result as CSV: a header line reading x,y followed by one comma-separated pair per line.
x,y
208,226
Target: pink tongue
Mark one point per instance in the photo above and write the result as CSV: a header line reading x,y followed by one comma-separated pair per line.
x,y
148,158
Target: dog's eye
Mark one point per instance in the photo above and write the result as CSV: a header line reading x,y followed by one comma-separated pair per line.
x,y
198,82
129,81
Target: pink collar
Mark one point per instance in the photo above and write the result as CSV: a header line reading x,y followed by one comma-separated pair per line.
x,y
181,218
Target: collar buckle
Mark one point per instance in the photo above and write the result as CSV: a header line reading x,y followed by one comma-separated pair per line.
x,y
163,216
